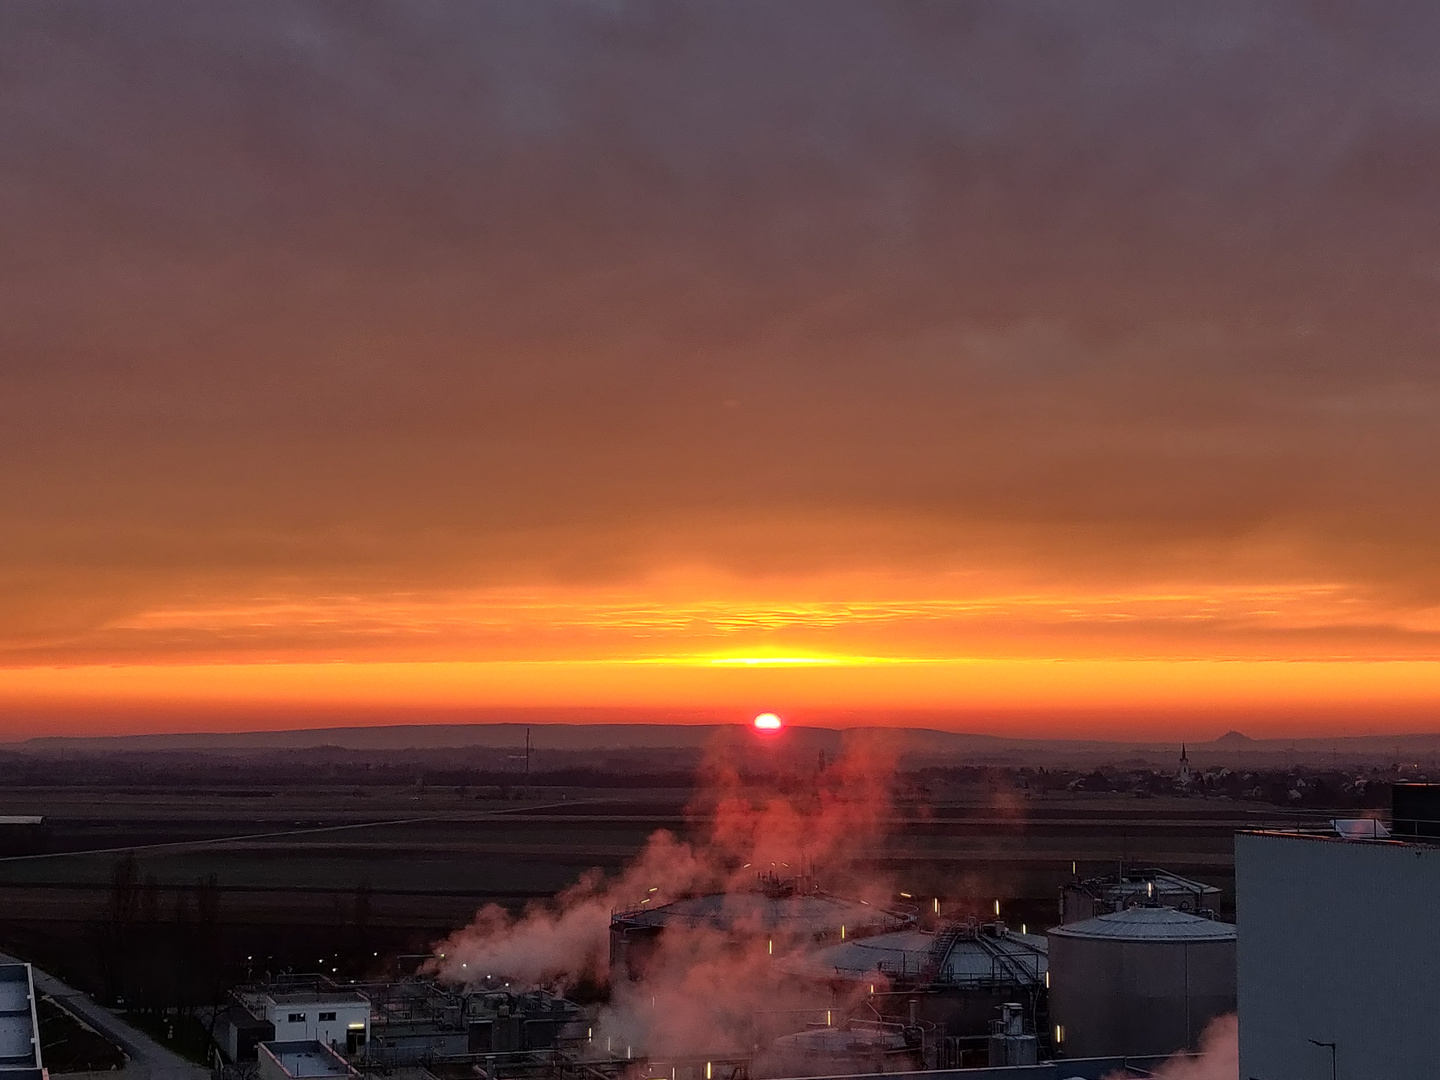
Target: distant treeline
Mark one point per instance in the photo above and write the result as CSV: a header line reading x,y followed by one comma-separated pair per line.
x,y
262,775
484,773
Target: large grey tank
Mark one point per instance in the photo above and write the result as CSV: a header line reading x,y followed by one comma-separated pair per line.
x,y
1146,980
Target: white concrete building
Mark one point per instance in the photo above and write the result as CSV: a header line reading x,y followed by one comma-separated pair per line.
x,y
334,1018
1338,957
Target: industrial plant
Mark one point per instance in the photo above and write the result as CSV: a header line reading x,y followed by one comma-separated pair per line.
x,y
384,1026
882,989
949,984
1331,965
790,914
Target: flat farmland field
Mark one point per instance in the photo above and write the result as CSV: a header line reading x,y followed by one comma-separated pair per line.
x,y
417,866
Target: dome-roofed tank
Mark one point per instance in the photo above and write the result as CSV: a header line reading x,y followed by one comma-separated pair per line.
x,y
955,979
1146,980
788,914
961,955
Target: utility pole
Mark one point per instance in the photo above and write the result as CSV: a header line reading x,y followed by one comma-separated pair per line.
x,y
527,755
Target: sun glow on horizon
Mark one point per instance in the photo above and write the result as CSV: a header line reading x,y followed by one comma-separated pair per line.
x,y
768,721
757,661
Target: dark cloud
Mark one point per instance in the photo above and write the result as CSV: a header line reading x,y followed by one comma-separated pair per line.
x,y
375,296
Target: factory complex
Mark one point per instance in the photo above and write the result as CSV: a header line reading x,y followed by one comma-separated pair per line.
x,y
1332,965
891,989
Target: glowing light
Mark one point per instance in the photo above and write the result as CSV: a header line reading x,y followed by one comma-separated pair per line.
x,y
776,661
768,721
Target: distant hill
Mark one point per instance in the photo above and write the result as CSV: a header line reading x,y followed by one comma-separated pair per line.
x,y
543,736
1234,740
582,737
406,737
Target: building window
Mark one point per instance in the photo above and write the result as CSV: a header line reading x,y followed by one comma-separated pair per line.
x,y
326,1016
297,1018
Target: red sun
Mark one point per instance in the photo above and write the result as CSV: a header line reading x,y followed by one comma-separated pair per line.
x,y
768,721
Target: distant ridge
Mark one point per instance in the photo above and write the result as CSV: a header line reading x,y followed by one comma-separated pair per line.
x,y
607,736
544,736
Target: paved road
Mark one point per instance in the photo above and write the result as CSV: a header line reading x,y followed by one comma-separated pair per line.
x,y
148,1059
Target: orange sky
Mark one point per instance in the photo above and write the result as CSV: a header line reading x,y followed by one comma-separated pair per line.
x,y
1063,371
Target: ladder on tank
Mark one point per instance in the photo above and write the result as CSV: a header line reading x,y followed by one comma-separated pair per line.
x,y
945,939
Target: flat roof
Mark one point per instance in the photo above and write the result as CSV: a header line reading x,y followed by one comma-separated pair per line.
x,y
21,819
1330,837
316,997
19,1033
307,1058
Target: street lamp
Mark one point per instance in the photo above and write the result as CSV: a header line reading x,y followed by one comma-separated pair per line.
x,y
1328,1046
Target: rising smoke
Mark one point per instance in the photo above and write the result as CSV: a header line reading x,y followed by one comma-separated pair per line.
x,y
702,989
1219,1057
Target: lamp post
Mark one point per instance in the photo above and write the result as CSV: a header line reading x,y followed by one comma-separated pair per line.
x,y
1331,1047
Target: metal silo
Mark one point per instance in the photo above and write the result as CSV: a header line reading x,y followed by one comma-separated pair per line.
x,y
956,981
787,914
1146,980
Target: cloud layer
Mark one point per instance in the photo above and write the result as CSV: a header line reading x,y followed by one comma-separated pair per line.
x,y
689,306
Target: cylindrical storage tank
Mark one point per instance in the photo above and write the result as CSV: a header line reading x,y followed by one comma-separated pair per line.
x,y
1146,980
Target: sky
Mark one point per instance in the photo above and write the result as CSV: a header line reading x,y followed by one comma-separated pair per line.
x,y
1055,368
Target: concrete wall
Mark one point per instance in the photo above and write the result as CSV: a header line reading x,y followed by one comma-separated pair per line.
x,y
330,1032
297,1060
1123,997
1338,943
239,1033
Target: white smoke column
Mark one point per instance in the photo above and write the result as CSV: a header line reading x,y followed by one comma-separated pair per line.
x,y
704,990
707,991
566,941
1219,1056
